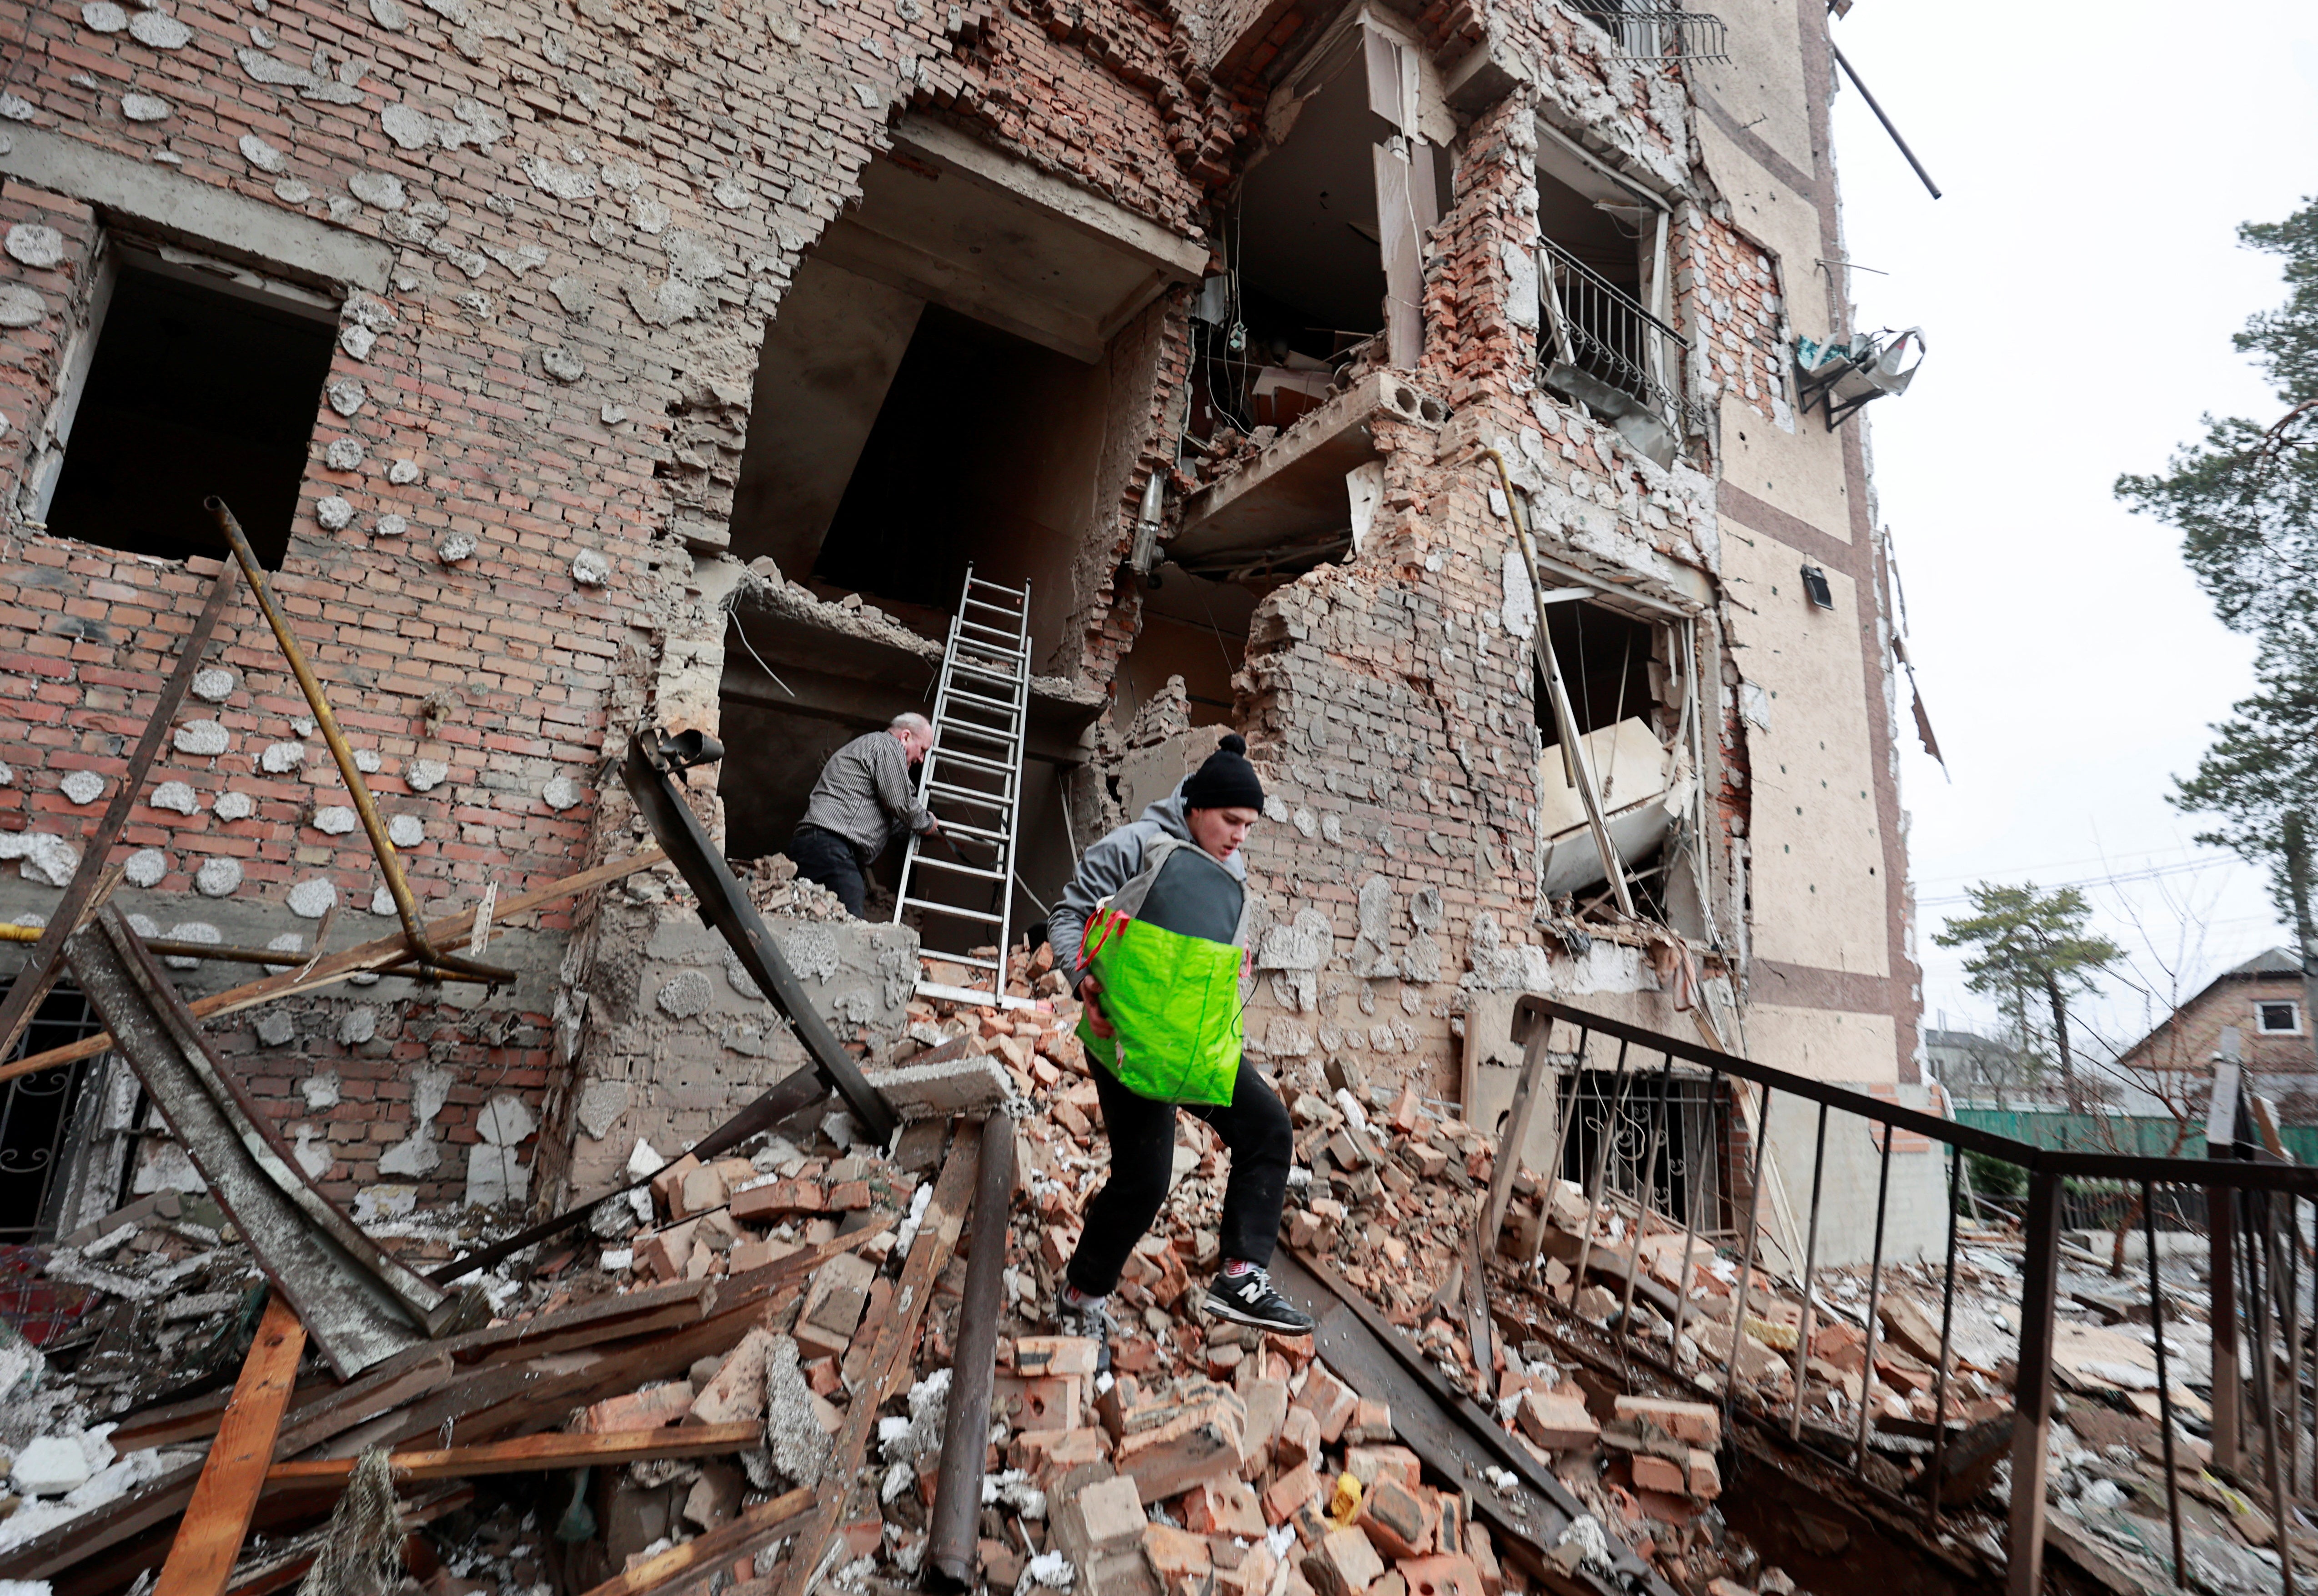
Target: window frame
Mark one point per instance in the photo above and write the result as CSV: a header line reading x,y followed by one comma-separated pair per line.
x,y
2261,1027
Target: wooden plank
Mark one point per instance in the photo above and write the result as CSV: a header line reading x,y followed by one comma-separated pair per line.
x,y
217,1519
889,1358
362,959
711,1552
532,1453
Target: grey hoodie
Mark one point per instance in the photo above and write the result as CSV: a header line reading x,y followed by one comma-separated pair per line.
x,y
1108,866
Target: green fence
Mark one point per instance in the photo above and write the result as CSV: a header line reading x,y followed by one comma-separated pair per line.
x,y
2143,1136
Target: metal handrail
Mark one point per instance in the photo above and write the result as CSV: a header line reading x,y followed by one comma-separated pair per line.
x,y
2300,1179
1597,343
2258,1242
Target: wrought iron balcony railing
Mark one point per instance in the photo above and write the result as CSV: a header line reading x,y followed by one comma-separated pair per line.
x,y
1659,32
1598,346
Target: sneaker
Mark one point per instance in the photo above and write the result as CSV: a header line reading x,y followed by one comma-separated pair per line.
x,y
1091,1320
1250,1299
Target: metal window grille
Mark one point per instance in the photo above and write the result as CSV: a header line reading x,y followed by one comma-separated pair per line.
x,y
1660,34
38,1111
1599,347
1684,1176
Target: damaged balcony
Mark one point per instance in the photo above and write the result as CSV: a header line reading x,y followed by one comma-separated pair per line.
x,y
1605,339
1305,497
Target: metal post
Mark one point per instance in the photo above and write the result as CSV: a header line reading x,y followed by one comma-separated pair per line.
x,y
1689,1240
1746,1260
2261,1272
1940,1373
2032,1400
1810,1268
414,931
1874,1297
951,1550
1600,1166
2164,1389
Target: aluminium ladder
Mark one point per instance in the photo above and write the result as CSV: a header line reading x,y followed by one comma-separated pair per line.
x,y
972,779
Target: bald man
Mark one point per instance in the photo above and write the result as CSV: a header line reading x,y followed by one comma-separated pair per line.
x,y
864,796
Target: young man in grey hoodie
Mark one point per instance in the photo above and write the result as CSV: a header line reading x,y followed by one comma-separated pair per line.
x,y
1213,808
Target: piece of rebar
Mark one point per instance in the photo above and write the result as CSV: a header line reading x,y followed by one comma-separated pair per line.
x,y
40,972
1874,1299
956,1519
405,907
2164,1386
1947,1326
1601,1168
1645,1189
1810,1268
1747,1262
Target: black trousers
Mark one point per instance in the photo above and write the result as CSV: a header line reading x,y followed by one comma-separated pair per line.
x,y
827,858
1254,1127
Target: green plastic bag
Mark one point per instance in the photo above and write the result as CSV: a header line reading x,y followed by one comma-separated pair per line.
x,y
1165,949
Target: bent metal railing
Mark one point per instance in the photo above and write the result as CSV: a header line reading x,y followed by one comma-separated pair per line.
x,y
1597,344
2261,1332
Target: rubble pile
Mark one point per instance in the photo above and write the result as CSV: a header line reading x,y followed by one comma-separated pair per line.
x,y
745,1363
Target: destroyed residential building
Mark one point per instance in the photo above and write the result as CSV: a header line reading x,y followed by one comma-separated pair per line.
x,y
580,368
1424,393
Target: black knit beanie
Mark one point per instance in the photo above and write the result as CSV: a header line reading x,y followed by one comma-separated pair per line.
x,y
1225,781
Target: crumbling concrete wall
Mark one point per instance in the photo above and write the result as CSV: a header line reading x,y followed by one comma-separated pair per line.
x,y
690,1039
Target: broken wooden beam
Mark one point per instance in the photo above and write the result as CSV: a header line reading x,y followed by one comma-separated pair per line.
x,y
705,1555
363,959
889,1357
531,1453
361,1305
40,972
217,1517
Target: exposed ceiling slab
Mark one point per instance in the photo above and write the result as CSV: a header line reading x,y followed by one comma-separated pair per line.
x,y
996,238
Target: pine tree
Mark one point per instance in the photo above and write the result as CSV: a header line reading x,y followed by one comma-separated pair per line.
x,y
2246,504
2032,944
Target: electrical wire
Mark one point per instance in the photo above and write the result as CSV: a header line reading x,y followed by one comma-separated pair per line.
x,y
742,632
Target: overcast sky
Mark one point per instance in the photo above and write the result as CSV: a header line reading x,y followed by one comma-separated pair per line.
x,y
2077,288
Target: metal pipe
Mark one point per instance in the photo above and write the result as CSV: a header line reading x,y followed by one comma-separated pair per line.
x,y
1573,748
956,1520
171,948
1747,1264
1810,1268
2164,1389
405,907
1947,1326
1874,1298
1853,73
